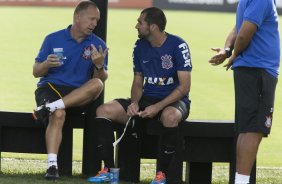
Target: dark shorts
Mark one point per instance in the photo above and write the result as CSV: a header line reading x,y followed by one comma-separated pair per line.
x,y
147,101
45,94
254,100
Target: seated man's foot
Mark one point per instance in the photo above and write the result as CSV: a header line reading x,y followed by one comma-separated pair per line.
x,y
159,179
52,173
103,176
41,113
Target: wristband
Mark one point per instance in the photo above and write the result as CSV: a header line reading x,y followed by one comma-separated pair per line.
x,y
99,68
228,51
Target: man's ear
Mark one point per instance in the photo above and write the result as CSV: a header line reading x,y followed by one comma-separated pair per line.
x,y
153,27
76,17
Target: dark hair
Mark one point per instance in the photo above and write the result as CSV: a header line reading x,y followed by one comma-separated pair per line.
x,y
83,5
156,16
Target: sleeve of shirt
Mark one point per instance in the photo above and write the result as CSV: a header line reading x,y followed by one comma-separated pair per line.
x,y
256,11
44,51
135,58
183,57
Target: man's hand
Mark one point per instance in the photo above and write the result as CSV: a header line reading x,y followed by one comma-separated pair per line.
x,y
98,57
41,68
150,111
230,62
132,109
52,61
219,57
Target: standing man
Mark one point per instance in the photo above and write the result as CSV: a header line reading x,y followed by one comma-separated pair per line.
x,y
72,66
255,61
160,90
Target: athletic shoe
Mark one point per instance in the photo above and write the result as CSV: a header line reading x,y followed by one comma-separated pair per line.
x,y
52,173
103,176
159,179
42,113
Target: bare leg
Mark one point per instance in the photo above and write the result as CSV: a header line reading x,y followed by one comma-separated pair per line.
x,y
53,133
113,111
85,94
247,148
80,96
171,117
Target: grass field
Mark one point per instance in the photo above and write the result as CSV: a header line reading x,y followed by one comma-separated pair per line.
x,y
17,173
23,30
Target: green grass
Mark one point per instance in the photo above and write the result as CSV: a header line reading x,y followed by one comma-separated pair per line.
x,y
24,28
28,171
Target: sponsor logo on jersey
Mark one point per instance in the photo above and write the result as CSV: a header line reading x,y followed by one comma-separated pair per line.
x,y
166,61
160,81
87,53
268,121
185,54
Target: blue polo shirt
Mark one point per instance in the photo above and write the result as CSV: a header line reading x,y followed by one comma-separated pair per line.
x,y
159,65
77,66
264,48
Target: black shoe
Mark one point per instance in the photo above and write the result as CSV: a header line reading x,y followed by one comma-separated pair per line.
x,y
42,113
52,173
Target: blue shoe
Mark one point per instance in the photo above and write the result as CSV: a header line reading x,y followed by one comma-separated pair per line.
x,y
103,176
159,179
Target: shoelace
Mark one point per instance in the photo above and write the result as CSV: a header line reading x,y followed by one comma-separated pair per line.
x,y
102,172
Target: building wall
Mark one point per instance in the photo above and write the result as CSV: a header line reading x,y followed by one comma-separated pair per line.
x,y
203,5
112,3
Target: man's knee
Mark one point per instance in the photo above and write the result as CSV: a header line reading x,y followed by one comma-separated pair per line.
x,y
104,110
170,119
96,85
58,118
59,114
112,110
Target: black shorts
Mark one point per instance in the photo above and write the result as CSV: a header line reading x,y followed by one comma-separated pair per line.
x,y
147,101
45,94
254,99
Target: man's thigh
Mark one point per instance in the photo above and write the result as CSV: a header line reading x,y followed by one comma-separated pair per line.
x,y
50,93
181,107
147,101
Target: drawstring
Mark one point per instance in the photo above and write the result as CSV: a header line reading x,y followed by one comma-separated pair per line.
x,y
127,123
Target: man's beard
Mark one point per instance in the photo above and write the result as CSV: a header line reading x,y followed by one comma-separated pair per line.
x,y
143,36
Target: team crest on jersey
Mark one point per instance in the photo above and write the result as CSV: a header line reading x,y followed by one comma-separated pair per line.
x,y
87,53
166,62
268,121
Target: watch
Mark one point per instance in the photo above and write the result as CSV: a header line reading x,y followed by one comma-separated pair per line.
x,y
228,51
99,68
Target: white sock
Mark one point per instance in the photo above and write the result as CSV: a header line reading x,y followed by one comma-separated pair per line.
x,y
52,160
241,179
58,104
